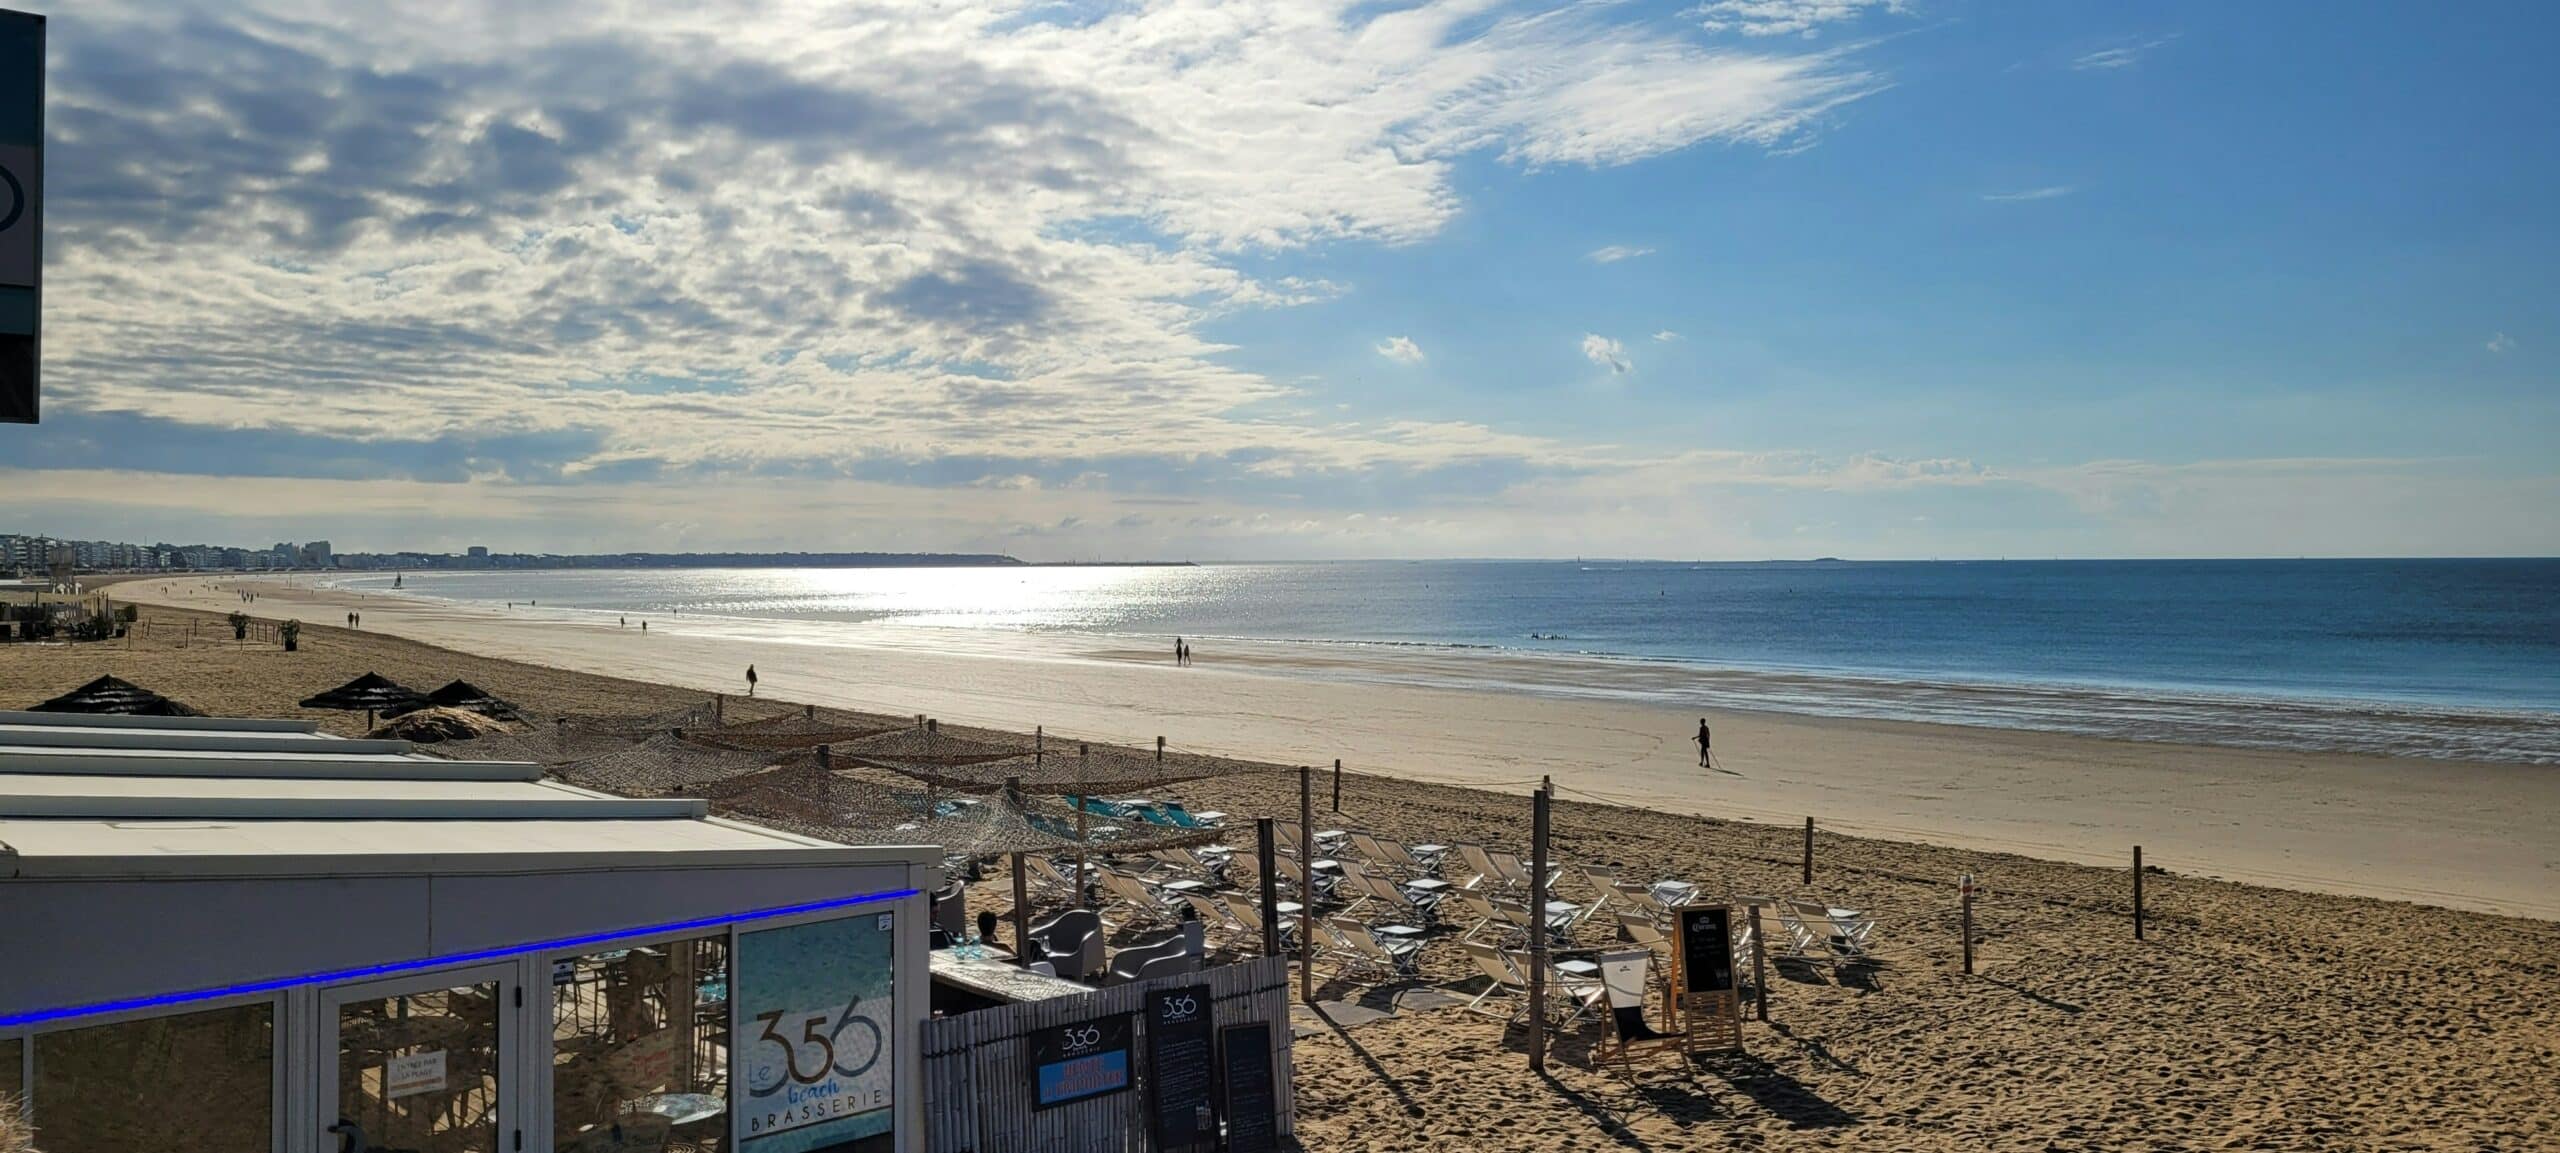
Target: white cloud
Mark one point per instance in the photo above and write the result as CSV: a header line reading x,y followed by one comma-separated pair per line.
x,y
1400,349
2121,56
1666,336
2047,192
2501,342
1786,17
1606,353
771,235
1617,252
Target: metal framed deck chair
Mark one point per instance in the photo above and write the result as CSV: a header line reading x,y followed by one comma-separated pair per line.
x,y
1504,977
1485,875
1841,936
1624,977
1206,819
1471,907
1644,930
1603,881
1242,910
1047,874
1396,956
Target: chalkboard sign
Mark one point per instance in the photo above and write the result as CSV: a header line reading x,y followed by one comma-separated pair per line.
x,y
1070,1063
1706,949
1252,1101
1182,1064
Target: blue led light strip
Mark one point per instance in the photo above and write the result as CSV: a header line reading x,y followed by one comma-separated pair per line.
x,y
363,972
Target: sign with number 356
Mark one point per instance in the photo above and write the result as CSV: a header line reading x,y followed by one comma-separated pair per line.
x,y
811,1030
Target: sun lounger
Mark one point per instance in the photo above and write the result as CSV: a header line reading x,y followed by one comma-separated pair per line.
x,y
1191,820
1392,955
1817,932
1504,977
1471,907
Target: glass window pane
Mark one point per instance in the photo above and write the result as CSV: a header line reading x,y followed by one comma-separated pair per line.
x,y
191,1083
639,1049
418,1072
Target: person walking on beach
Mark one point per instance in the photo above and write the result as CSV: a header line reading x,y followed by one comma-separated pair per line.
x,y
751,680
1177,652
1701,738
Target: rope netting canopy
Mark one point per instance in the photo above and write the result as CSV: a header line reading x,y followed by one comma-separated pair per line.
x,y
663,764
1078,770
643,725
864,807
797,731
924,745
543,745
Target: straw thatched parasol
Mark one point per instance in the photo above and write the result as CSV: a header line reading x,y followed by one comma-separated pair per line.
x,y
437,724
472,698
373,693
116,696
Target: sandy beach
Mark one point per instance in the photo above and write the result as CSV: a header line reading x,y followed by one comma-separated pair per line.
x,y
2251,1018
2463,835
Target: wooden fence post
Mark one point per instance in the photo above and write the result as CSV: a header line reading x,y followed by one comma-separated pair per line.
x,y
1968,924
1808,850
2137,892
1538,931
1266,847
1337,784
1759,967
1021,885
1307,891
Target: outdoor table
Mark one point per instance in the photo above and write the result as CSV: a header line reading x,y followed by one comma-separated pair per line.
x,y
1578,968
996,977
1401,932
1427,884
1186,887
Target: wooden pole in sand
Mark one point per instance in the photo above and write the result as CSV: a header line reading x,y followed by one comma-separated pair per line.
x,y
1968,924
2137,892
1266,846
719,708
1538,931
1307,891
1021,885
1759,967
1159,748
1337,784
1808,850
1080,822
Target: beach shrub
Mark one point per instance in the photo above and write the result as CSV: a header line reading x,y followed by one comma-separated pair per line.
x,y
128,613
239,626
291,632
16,1136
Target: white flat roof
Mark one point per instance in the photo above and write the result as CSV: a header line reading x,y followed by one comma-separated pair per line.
x,y
138,796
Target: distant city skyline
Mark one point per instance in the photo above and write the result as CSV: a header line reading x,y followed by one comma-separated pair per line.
x,y
1696,279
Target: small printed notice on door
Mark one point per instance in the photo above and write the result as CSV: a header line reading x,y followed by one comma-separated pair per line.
x,y
414,1074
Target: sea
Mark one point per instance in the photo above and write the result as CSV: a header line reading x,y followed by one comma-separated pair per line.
x,y
2454,659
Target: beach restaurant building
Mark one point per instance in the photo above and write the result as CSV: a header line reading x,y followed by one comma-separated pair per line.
x,y
230,935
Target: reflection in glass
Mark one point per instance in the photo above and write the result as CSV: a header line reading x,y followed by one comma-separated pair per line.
x,y
418,1072
191,1083
640,1055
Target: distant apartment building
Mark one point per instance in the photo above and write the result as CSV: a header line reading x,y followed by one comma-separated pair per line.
x,y
316,554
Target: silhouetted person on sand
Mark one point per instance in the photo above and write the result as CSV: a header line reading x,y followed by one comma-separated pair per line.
x,y
1701,738
751,680
644,626
1177,652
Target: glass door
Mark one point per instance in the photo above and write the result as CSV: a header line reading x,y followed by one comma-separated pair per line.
x,y
415,1066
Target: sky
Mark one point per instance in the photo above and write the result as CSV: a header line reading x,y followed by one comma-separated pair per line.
x,y
1274,279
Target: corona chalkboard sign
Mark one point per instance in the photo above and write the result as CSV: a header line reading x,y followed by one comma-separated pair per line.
x,y
1710,1003
21,211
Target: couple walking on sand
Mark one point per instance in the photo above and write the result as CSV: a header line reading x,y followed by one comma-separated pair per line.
x,y
1181,653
